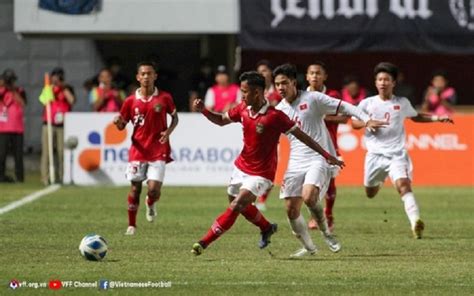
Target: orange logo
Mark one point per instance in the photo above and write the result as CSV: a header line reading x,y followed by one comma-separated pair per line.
x,y
90,158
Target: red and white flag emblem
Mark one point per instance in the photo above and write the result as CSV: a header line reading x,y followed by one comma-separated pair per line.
x,y
303,106
396,107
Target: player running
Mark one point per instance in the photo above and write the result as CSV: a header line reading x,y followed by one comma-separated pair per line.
x,y
316,76
386,152
308,174
147,109
256,165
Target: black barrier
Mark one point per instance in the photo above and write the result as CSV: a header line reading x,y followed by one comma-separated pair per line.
x,y
443,26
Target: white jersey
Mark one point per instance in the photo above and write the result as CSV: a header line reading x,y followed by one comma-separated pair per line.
x,y
308,111
391,138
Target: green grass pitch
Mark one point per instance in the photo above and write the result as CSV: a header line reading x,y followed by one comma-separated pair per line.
x,y
39,242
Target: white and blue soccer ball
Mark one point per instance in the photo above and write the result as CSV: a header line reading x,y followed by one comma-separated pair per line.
x,y
93,247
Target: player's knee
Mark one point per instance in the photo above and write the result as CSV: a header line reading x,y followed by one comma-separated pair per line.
x,y
292,212
135,192
154,193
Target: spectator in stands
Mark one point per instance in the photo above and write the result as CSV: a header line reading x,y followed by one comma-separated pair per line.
x,y
224,94
352,92
439,96
106,98
265,68
404,89
201,81
12,104
63,100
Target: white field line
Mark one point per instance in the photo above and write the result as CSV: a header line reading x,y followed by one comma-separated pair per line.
x,y
29,198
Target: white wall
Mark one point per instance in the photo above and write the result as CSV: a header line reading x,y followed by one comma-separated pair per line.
x,y
134,16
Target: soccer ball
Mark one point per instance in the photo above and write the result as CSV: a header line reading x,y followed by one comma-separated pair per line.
x,y
93,247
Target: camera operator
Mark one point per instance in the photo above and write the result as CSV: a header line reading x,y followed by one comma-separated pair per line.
x,y
12,104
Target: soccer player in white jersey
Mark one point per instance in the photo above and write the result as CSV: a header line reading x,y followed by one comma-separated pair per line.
x,y
386,152
308,174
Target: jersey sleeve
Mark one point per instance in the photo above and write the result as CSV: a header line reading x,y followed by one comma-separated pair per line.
x,y
408,109
125,110
362,107
170,106
328,105
235,113
286,125
209,100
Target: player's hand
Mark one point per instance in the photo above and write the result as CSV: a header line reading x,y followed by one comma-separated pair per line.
x,y
164,137
119,122
373,125
334,161
198,105
446,119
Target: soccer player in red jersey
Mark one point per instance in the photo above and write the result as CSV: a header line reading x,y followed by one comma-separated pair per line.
x,y
316,76
147,110
256,165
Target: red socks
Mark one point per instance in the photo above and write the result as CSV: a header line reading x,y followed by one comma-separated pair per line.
x,y
223,223
330,198
150,201
132,210
253,215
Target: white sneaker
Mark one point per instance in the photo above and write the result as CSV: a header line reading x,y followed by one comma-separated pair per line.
x,y
332,243
150,211
261,206
130,230
303,252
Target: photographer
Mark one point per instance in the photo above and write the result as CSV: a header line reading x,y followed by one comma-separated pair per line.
x,y
12,104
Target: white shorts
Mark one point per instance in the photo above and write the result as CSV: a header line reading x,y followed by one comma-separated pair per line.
x,y
319,174
378,167
255,184
140,171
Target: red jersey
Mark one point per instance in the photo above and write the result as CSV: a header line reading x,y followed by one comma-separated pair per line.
x,y
148,116
332,126
261,135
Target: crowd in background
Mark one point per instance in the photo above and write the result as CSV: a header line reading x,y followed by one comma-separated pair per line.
x,y
108,89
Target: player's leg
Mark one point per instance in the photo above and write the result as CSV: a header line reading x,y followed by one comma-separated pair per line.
x,y
401,173
376,169
136,174
314,189
225,220
133,203
262,199
155,175
330,198
299,227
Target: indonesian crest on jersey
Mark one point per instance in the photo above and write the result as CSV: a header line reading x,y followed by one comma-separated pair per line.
x,y
260,127
158,108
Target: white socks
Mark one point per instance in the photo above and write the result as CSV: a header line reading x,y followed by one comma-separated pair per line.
x,y
411,208
300,229
318,214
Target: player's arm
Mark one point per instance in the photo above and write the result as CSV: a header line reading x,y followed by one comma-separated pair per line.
x,y
423,117
174,122
308,141
217,118
122,119
362,119
337,118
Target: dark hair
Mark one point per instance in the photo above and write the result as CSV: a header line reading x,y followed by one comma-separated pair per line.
x,y
253,79
388,68
146,63
58,71
318,63
440,72
289,70
350,79
264,63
